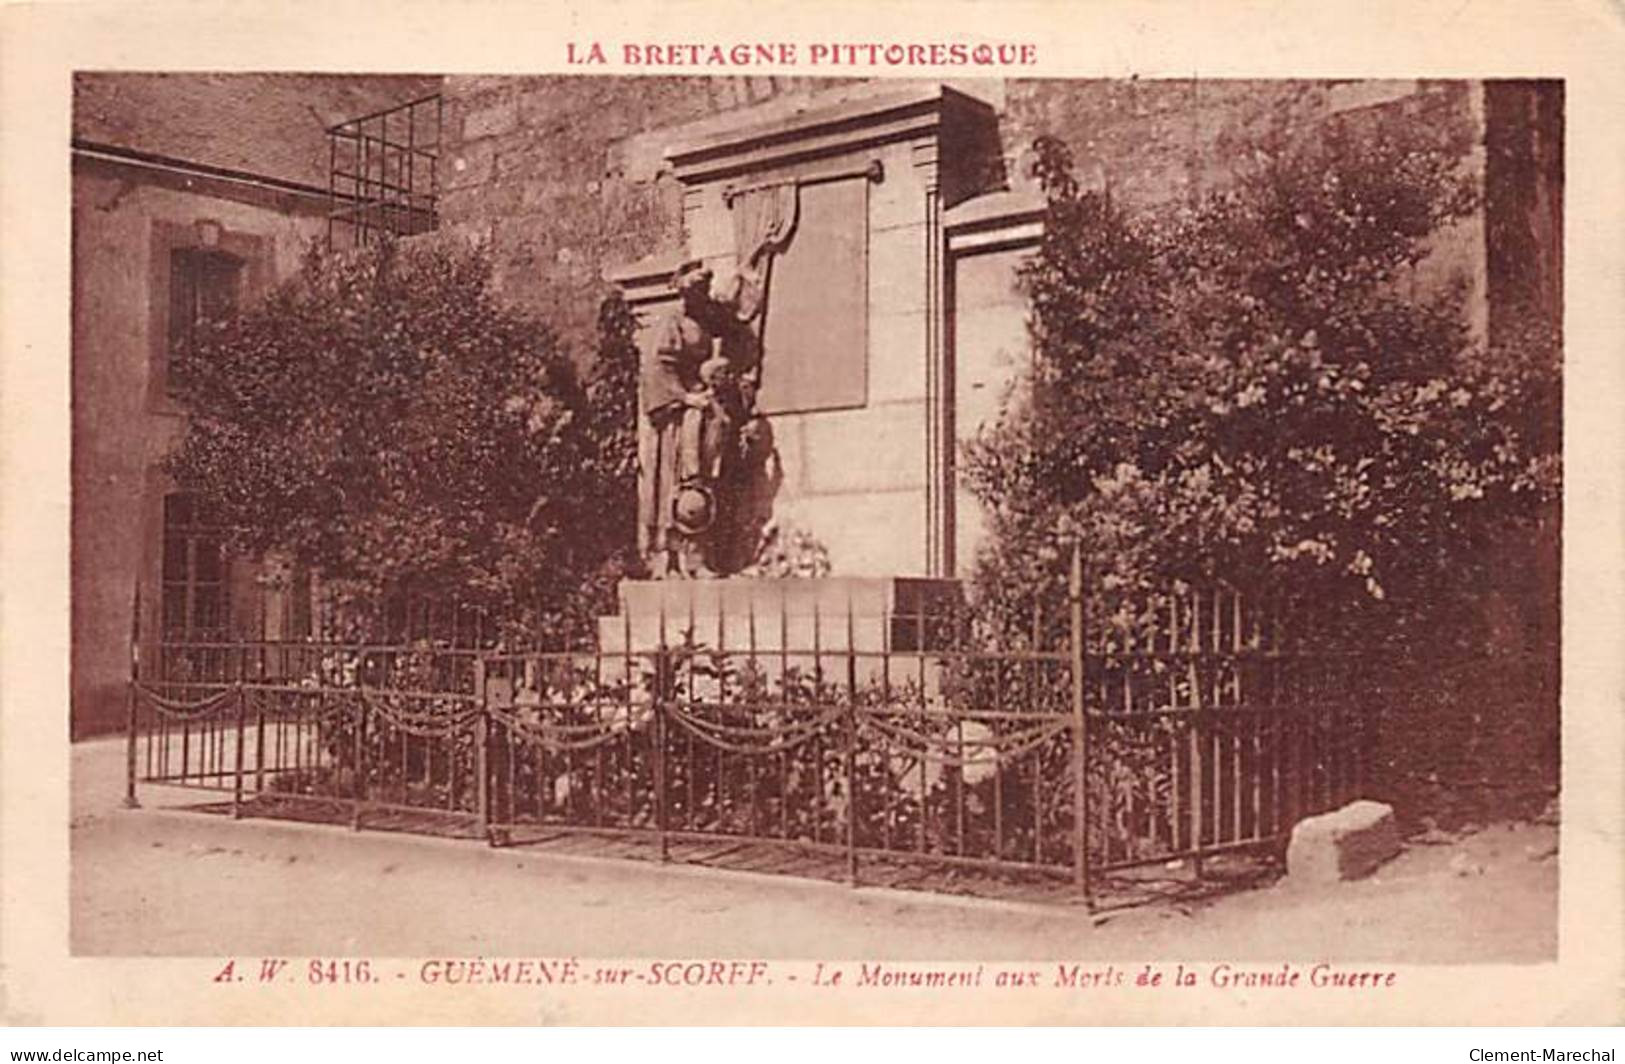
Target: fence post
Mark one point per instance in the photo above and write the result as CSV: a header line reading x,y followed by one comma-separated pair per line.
x,y
663,689
359,760
131,704
259,728
130,801
1080,731
482,743
237,781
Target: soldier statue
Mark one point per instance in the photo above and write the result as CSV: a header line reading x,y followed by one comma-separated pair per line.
x,y
697,443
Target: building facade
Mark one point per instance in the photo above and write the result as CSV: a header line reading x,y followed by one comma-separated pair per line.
x,y
192,194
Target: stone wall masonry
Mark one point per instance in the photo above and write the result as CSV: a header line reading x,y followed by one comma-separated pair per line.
x,y
552,173
564,175
1158,141
274,125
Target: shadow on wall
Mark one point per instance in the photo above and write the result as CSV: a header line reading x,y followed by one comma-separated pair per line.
x,y
757,493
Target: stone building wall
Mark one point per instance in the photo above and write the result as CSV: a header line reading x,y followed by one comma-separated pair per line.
x,y
272,125
123,421
165,161
553,173
564,175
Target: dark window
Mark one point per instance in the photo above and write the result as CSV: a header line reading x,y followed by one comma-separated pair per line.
x,y
203,288
196,570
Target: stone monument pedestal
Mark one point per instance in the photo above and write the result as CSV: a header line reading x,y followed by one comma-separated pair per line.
x,y
795,616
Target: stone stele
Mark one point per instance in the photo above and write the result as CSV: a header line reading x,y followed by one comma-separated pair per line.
x,y
1347,843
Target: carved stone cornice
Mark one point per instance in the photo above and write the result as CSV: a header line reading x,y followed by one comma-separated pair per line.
x,y
952,131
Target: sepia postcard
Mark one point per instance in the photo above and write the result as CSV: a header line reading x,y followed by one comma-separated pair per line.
x,y
901,514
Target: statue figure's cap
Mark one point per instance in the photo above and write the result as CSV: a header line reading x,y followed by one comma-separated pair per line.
x,y
693,508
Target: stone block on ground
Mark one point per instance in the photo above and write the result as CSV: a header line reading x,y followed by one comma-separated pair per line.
x,y
1347,843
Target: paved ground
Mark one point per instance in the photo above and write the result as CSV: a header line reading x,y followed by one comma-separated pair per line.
x,y
158,881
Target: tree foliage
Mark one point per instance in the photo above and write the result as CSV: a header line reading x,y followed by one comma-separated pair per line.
x,y
383,420
1256,388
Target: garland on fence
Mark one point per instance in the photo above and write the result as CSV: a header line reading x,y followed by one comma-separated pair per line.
x,y
274,699
924,746
569,738
783,737
177,709
424,723
428,724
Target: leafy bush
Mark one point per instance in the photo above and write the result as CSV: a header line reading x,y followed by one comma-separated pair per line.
x,y
1257,389
382,420
1249,388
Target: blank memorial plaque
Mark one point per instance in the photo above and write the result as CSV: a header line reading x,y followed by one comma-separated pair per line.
x,y
815,343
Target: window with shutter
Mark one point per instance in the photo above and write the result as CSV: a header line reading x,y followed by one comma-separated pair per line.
x,y
195,571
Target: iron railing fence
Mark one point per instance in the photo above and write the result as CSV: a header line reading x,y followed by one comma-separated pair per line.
x,y
1187,725
1221,718
827,746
